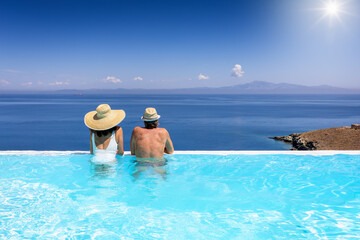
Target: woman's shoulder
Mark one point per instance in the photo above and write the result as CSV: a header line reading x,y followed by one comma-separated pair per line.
x,y
118,130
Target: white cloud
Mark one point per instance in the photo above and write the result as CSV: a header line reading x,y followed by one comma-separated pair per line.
x,y
112,79
203,77
138,78
27,84
4,82
237,71
58,83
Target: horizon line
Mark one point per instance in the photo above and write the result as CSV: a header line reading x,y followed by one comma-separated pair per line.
x,y
176,89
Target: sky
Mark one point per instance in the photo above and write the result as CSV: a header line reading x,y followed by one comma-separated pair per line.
x,y
53,44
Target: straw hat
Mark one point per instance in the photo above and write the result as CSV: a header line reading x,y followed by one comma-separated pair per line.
x,y
150,114
103,118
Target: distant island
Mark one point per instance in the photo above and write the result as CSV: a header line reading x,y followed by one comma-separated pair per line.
x,y
255,87
337,138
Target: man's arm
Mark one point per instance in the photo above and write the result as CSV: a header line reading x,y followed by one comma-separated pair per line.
x,y
120,141
132,143
169,148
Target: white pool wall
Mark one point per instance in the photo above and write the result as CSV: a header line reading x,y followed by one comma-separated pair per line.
x,y
315,153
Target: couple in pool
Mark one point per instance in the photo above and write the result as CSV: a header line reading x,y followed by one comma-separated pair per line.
x,y
148,143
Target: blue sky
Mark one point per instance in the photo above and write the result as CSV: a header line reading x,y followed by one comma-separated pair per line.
x,y
53,44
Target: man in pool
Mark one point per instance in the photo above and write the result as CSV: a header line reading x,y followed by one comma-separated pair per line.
x,y
150,142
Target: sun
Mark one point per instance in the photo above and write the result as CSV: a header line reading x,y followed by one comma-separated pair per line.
x,y
332,8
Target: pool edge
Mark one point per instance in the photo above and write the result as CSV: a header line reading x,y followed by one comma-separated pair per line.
x,y
230,152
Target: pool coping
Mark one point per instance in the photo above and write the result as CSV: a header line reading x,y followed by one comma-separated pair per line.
x,y
230,152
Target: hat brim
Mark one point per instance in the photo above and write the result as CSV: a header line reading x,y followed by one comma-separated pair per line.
x,y
111,120
150,120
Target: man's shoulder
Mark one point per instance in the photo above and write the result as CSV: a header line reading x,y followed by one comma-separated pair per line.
x,y
140,129
162,130
136,129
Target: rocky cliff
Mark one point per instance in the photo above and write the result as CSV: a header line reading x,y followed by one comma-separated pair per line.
x,y
338,138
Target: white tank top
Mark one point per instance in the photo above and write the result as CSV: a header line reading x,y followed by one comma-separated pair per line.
x,y
105,155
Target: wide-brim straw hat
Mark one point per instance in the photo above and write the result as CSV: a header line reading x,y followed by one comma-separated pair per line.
x,y
103,118
150,114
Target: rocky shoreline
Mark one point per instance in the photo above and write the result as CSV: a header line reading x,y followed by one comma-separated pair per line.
x,y
337,138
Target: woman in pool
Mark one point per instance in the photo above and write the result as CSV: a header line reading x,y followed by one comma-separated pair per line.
x,y
106,138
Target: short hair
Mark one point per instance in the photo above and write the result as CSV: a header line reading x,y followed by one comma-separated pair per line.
x,y
151,124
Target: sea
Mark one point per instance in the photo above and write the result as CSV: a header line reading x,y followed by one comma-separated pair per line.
x,y
195,122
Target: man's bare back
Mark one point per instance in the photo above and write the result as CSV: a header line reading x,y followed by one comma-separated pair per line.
x,y
150,143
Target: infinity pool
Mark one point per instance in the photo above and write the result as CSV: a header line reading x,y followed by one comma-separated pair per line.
x,y
205,196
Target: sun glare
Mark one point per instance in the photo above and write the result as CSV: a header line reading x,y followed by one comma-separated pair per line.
x,y
332,8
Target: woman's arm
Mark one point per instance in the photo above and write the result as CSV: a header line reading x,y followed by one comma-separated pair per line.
x,y
120,141
91,145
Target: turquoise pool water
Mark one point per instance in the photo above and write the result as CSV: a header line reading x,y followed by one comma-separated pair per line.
x,y
47,196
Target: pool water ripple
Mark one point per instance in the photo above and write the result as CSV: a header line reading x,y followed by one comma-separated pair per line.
x,y
191,197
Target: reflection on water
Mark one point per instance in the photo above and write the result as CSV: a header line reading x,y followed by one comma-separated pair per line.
x,y
157,165
102,168
138,167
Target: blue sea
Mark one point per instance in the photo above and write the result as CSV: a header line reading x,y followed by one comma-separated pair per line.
x,y
195,122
